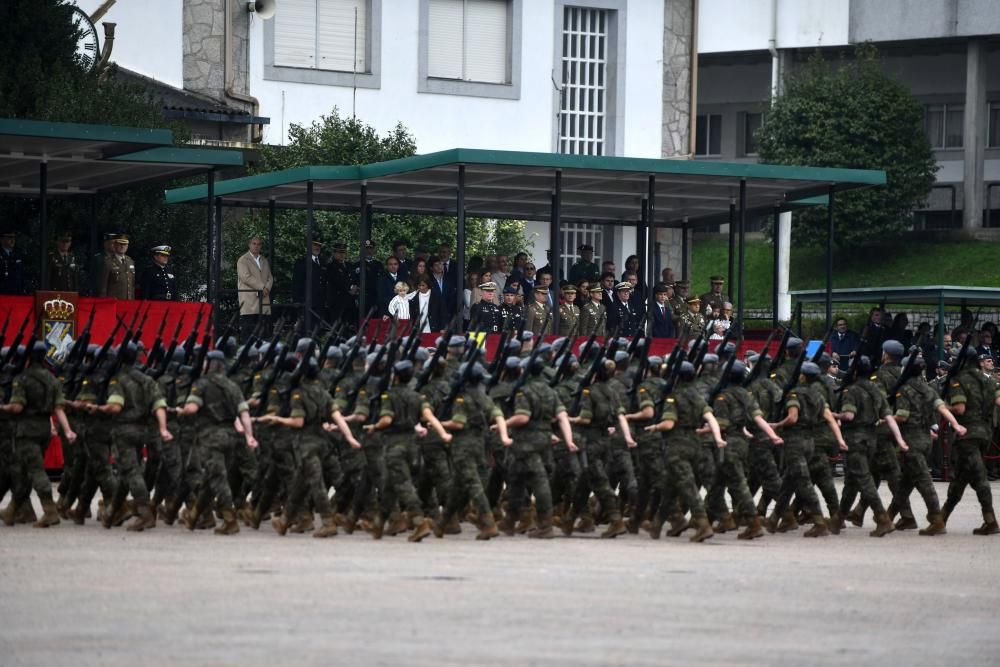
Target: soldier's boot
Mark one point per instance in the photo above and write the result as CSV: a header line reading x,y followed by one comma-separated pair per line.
x,y
655,527
25,513
304,523
488,527
8,513
245,514
527,522
566,526
507,524
753,530
437,525
329,528
115,515
836,521
347,521
398,523
892,511
190,516
725,523
788,522
883,525
989,526
634,523
678,524
585,524
543,528
703,529
170,508
78,514
62,507
906,523
207,520
936,526
50,514
422,528
616,527
856,516
280,523
819,528
771,523
145,519
452,526
803,518
377,526
230,526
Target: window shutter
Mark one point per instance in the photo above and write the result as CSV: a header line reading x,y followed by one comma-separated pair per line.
x,y
444,39
486,41
295,34
336,35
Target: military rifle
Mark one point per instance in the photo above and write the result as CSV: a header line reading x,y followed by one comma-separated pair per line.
x,y
199,363
6,323
852,368
956,367
720,454
640,333
167,357
758,367
677,357
822,347
523,379
269,381
606,351
779,356
227,332
157,349
137,336
12,350
909,371
192,337
439,353
562,356
501,346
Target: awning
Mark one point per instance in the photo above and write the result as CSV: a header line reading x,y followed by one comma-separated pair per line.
x,y
931,295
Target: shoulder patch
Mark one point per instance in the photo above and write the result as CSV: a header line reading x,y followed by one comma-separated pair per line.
x,y
642,390
720,397
792,394
460,400
296,396
586,392
956,384
384,395
671,400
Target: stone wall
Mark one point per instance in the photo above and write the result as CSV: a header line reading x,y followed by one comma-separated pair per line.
x,y
204,48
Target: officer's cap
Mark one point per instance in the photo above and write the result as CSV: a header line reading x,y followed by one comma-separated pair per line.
x,y
661,288
489,286
340,246
694,299
456,341
404,366
794,343
809,369
541,288
215,355
110,236
893,348
984,357
710,358
682,283
569,288
717,279
161,250
623,285
121,238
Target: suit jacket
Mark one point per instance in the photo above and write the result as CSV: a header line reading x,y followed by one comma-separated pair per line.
x,y
249,277
448,295
608,300
386,290
844,345
663,322
318,282
435,311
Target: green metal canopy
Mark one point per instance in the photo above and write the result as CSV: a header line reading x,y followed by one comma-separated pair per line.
x,y
520,185
949,295
85,159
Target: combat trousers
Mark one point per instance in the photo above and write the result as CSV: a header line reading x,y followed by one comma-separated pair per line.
x,y
352,465
467,484
885,465
594,477
796,480
168,473
732,476
29,456
916,475
565,474
822,475
281,471
8,464
621,474
860,454
372,484
399,476
527,474
650,472
216,450
435,479
968,470
191,456
96,450
127,446
69,483
497,477
704,475
682,460
763,474
307,482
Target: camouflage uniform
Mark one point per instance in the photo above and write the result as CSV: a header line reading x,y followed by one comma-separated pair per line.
x,y
532,443
434,484
139,397
313,403
916,412
403,405
219,401
650,471
95,448
475,411
799,446
592,319
863,399
978,393
763,468
735,409
686,407
40,394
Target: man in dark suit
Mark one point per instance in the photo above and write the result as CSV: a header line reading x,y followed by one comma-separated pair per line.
x,y
638,298
447,265
608,290
986,344
340,302
843,342
318,279
387,284
621,315
662,315
444,288
427,305
399,250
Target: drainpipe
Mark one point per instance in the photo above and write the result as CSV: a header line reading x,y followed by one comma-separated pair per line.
x,y
109,43
772,46
229,75
694,79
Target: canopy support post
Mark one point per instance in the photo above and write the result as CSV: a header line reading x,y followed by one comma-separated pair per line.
x,y
94,238
642,247
310,234
209,202
829,258
732,244
43,222
217,262
555,256
364,235
684,250
271,211
776,267
742,251
460,242
652,276
940,328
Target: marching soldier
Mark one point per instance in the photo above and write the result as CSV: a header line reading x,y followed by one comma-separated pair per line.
x,y
118,273
622,313
593,316
486,314
157,283
537,313
63,272
569,312
713,300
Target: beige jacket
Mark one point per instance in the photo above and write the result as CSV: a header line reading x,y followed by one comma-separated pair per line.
x,y
249,277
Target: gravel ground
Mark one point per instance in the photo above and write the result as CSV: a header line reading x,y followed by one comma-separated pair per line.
x,y
85,596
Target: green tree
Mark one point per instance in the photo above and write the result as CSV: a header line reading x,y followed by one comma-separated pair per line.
x,y
336,139
852,115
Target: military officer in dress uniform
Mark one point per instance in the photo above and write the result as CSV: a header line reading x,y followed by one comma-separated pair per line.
x,y
569,312
712,301
593,315
622,313
157,282
486,314
692,322
340,294
537,313
11,265
511,311
118,274
63,273
678,302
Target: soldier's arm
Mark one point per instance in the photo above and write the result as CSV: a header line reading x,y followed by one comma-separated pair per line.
x,y
949,417
562,418
713,426
838,436
345,429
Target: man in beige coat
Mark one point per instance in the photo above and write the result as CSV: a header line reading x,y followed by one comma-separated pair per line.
x,y
253,273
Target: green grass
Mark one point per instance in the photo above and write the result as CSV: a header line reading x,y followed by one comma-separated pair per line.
x,y
966,263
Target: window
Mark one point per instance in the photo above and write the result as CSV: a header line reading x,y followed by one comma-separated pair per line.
x,y
751,123
708,134
322,34
583,111
331,42
943,125
993,125
470,47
